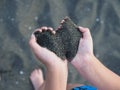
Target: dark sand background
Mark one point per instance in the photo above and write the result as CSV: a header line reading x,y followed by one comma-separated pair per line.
x,y
19,18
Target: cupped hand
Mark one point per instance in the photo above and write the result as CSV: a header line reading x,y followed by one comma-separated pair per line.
x,y
85,49
86,43
47,57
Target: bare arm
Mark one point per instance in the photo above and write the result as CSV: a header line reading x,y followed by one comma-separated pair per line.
x,y
91,68
56,69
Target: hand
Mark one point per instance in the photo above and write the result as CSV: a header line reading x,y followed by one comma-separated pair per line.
x,y
85,49
86,43
57,70
47,57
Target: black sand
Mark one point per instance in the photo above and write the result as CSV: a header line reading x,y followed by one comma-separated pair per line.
x,y
64,43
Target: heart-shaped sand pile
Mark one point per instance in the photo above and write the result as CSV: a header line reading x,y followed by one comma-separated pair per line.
x,y
64,43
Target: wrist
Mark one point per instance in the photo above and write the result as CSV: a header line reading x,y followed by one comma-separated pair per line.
x,y
52,66
55,66
81,61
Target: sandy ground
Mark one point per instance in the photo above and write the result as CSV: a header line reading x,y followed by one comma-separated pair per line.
x,y
18,19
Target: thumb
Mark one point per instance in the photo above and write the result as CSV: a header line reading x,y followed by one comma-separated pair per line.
x,y
86,32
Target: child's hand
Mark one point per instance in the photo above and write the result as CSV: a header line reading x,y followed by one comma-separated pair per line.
x,y
46,56
85,49
57,70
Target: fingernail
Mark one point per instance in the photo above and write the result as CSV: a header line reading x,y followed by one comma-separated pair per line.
x,y
60,27
66,18
44,28
50,28
53,32
80,27
62,21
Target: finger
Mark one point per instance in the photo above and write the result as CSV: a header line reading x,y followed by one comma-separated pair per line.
x,y
62,21
82,29
44,28
51,29
34,46
41,52
32,39
38,29
85,31
32,42
60,27
66,18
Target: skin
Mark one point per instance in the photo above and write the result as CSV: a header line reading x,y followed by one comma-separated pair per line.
x,y
57,72
91,68
57,69
85,62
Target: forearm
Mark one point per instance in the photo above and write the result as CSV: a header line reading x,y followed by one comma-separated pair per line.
x,y
56,78
97,74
